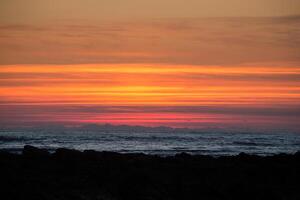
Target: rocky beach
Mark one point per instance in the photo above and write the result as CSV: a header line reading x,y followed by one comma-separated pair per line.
x,y
71,174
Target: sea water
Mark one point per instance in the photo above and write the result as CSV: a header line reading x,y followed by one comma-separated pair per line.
x,y
161,143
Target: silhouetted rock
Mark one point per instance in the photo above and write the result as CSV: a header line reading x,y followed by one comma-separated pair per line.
x,y
71,174
183,155
31,151
297,154
64,153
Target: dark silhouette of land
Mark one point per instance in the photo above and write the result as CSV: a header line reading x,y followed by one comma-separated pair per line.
x,y
70,174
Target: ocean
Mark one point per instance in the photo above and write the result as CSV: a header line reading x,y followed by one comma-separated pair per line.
x,y
162,143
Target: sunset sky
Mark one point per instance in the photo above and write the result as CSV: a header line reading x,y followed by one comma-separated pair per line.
x,y
197,64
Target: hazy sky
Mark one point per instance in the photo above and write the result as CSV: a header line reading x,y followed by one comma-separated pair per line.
x,y
191,63
216,41
29,11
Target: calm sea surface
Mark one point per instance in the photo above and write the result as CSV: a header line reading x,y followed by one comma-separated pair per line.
x,y
166,143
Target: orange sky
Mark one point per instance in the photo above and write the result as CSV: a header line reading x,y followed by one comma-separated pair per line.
x,y
16,11
191,63
150,94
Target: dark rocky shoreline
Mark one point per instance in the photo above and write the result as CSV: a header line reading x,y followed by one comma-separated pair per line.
x,y
70,174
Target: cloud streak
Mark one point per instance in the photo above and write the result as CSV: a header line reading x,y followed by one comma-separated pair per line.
x,y
150,94
191,72
200,41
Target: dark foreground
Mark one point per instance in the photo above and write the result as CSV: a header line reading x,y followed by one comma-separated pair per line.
x,y
70,174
